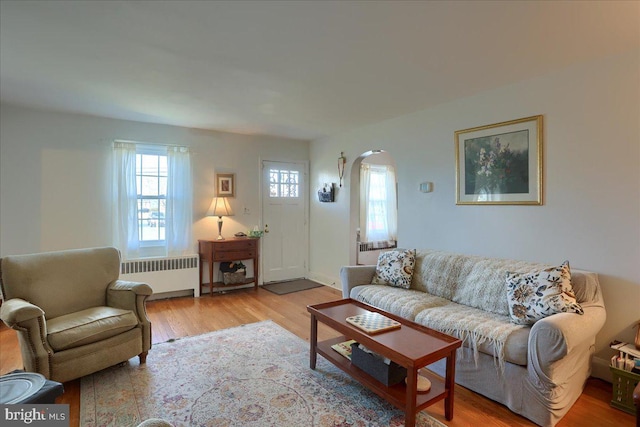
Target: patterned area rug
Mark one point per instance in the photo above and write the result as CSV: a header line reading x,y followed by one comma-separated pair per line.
x,y
248,376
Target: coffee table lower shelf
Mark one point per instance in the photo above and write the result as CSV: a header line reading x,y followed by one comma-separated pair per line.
x,y
396,394
412,345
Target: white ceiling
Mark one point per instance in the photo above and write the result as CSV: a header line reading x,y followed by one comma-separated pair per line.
x,y
290,68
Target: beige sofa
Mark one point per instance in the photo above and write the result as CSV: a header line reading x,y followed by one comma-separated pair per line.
x,y
73,316
537,371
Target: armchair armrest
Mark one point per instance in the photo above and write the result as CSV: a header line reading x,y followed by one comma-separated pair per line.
x,y
132,296
129,296
138,288
355,275
28,320
16,310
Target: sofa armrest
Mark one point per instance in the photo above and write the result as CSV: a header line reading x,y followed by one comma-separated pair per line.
x,y
554,337
16,310
355,275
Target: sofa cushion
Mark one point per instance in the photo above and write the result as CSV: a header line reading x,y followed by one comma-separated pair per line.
x,y
395,268
88,326
508,343
405,303
534,296
480,330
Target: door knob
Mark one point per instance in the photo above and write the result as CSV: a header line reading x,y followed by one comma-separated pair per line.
x,y
266,228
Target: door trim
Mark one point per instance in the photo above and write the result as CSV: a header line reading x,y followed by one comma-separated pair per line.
x,y
306,203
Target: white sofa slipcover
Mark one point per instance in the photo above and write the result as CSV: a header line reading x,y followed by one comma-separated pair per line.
x,y
537,371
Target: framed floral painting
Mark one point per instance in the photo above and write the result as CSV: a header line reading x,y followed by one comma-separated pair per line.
x,y
500,164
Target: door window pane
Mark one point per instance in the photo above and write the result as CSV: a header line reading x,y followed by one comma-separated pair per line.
x,y
284,183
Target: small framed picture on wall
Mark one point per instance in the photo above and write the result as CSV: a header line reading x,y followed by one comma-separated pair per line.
x,y
226,185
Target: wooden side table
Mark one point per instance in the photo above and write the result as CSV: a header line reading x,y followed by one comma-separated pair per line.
x,y
232,249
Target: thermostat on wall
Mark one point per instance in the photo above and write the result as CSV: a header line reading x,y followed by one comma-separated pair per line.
x,y
426,187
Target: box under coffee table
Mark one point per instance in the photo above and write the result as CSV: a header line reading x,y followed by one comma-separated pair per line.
x,y
412,345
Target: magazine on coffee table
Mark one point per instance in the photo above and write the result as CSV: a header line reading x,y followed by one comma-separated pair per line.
x,y
373,322
344,348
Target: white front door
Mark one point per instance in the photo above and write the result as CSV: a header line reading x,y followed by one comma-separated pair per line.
x,y
284,215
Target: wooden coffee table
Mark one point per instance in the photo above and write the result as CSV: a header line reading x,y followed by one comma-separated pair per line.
x,y
412,346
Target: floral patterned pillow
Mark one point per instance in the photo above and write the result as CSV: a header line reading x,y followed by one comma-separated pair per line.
x,y
534,296
395,268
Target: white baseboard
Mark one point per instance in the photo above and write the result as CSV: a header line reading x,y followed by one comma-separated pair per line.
x,y
333,282
172,294
600,369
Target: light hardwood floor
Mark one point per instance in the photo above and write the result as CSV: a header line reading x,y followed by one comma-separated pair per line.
x,y
180,317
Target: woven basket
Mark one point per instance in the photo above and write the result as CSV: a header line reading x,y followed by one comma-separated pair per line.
x,y
233,278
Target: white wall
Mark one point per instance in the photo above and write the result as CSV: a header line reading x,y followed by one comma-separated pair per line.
x,y
591,210
55,176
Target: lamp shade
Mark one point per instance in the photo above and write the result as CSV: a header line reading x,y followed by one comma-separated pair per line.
x,y
219,207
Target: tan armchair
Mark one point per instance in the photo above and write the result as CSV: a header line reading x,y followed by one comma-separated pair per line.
x,y
72,313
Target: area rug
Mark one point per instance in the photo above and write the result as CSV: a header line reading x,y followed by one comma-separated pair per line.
x,y
290,286
255,375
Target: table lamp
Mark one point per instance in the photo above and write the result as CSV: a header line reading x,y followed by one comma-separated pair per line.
x,y
220,207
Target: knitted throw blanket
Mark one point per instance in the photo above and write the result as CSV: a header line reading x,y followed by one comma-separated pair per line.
x,y
470,280
460,295
473,326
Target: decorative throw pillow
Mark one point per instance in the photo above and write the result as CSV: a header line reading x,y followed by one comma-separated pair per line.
x,y
534,296
395,268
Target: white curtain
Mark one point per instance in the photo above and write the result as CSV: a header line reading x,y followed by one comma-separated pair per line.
x,y
179,215
378,203
125,202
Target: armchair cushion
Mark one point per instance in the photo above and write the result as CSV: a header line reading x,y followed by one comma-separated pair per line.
x,y
88,326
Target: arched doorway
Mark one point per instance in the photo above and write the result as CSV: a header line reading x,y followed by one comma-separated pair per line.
x,y
369,232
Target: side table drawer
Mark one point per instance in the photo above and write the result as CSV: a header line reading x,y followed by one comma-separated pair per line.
x,y
233,255
241,245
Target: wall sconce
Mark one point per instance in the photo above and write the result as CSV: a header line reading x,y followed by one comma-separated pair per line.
x,y
342,160
220,207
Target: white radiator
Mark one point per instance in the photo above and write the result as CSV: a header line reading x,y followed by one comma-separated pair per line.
x,y
368,252
166,276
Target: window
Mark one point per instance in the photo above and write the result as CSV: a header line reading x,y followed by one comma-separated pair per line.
x,y
151,190
378,204
152,200
284,183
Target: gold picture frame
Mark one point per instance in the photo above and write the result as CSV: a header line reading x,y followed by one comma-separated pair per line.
x,y
500,164
226,185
